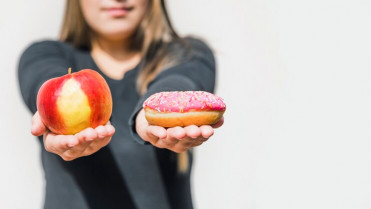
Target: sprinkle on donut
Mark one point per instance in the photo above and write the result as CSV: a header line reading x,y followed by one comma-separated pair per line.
x,y
184,101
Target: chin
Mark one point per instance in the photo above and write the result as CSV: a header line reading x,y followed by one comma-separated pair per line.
x,y
117,34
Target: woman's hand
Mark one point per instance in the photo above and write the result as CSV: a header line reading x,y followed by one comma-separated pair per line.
x,y
177,139
70,147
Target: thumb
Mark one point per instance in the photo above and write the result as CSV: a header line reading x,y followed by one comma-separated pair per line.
x,y
219,123
38,128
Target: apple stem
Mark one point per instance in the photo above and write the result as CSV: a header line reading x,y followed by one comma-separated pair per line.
x,y
69,70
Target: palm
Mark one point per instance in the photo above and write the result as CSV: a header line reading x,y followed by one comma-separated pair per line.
x,y
177,139
70,147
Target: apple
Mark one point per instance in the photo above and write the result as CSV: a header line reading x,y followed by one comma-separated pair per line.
x,y
73,102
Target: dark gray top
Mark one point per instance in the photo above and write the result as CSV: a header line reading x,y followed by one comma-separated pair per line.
x,y
127,173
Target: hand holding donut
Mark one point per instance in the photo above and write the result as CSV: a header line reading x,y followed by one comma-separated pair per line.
x,y
179,120
177,139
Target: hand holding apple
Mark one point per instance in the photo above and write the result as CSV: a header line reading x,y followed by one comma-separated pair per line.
x,y
70,147
74,102
73,114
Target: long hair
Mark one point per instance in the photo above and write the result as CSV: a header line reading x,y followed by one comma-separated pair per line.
x,y
153,39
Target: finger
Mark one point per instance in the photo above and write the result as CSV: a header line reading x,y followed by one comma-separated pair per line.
x,y
153,134
85,138
193,131
169,142
87,135
58,143
206,131
101,132
156,132
75,151
110,129
181,146
38,128
219,123
96,146
176,132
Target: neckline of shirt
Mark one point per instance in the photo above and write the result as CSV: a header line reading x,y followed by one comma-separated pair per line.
x,y
112,80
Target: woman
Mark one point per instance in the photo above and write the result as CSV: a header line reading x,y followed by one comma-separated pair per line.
x,y
134,47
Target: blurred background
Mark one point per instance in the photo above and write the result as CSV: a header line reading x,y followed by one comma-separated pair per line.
x,y
295,76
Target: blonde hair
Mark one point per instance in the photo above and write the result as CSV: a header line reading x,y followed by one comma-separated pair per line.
x,y
152,39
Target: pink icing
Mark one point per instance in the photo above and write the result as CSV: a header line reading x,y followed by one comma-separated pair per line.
x,y
184,101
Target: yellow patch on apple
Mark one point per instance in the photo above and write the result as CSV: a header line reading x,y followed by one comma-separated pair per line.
x,y
73,105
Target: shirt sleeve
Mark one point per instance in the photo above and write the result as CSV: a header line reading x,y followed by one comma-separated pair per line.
x,y
198,73
39,62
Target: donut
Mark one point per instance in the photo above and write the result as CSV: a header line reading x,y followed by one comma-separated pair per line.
x,y
183,108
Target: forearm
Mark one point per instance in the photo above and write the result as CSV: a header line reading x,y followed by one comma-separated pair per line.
x,y
39,62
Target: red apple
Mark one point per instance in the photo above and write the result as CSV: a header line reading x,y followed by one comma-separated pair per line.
x,y
73,102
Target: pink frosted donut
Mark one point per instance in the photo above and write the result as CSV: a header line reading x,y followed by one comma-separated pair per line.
x,y
183,108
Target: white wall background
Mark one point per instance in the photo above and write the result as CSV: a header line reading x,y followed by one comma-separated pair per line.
x,y
296,78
